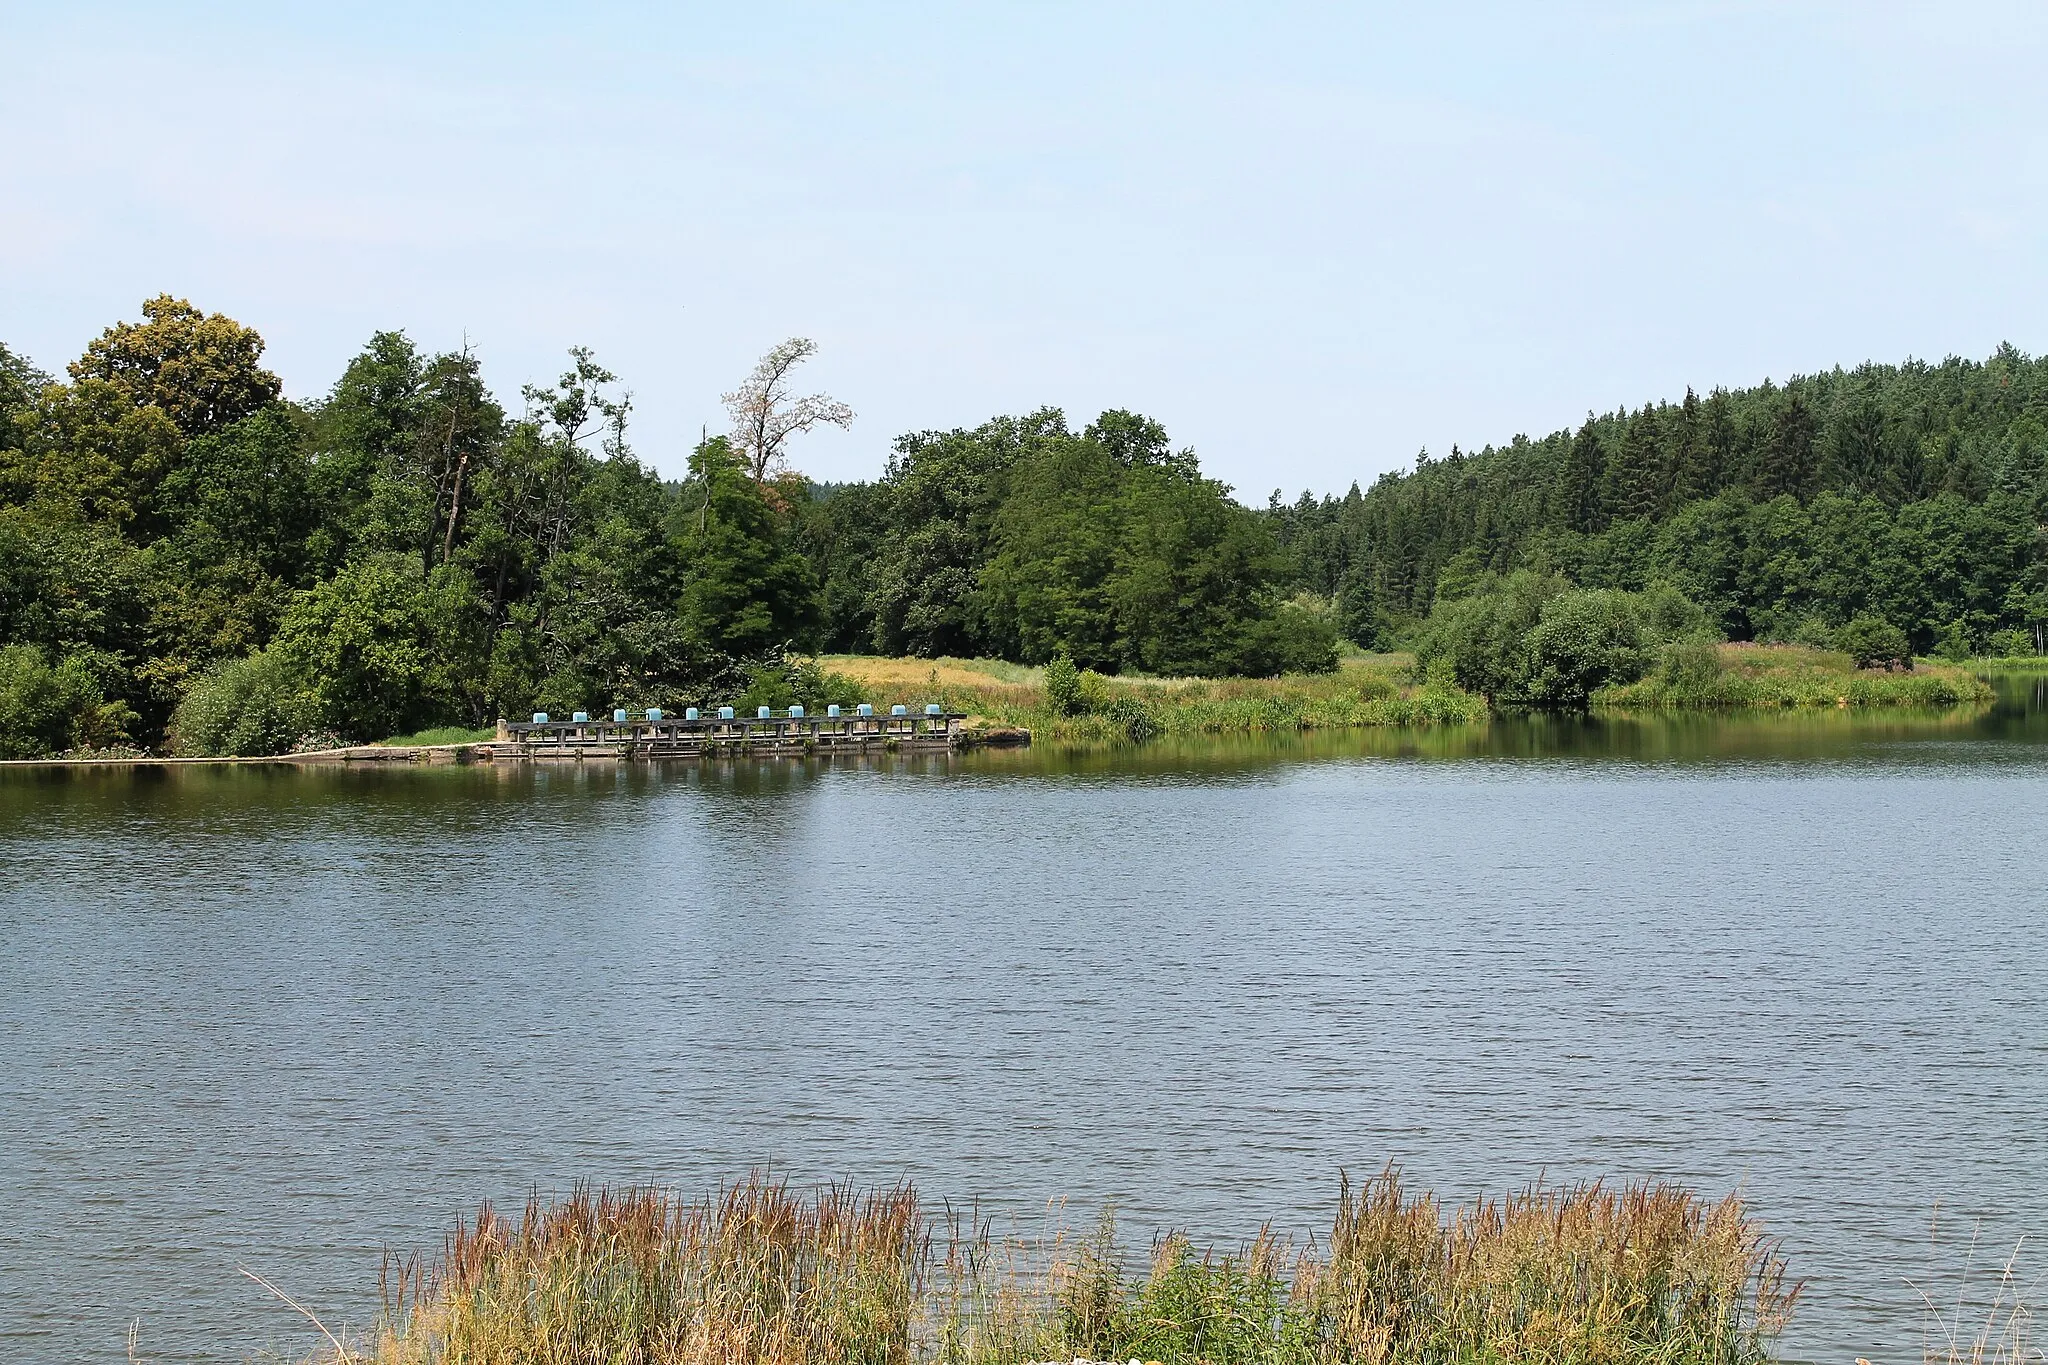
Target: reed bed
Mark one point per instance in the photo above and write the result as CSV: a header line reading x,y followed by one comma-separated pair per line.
x,y
759,1275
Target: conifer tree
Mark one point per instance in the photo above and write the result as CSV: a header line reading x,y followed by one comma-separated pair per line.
x,y
1633,490
1579,489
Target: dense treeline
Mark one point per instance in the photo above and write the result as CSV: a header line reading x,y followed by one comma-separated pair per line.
x,y
1912,494
187,557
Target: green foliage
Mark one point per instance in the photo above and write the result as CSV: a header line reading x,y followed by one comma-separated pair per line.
x,y
244,707
1690,671
1757,677
1587,639
1530,640
199,370
748,591
362,642
441,734
1117,551
1063,686
48,709
1909,493
1874,643
420,557
1190,1305
790,680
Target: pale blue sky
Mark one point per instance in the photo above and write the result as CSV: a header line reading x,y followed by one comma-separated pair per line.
x,y
1308,238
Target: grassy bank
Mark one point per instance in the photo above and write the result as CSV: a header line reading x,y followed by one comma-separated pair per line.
x,y
763,1275
1771,677
1365,690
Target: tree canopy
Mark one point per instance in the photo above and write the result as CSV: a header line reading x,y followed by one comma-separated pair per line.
x,y
188,558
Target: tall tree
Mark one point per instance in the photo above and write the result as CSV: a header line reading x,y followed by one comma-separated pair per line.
x,y
200,369
765,416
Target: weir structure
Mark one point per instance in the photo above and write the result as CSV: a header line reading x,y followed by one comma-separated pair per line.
x,y
656,734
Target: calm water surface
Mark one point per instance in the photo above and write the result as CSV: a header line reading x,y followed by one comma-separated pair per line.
x,y
281,1019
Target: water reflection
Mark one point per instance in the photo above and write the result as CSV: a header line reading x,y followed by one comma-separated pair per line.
x,y
282,1017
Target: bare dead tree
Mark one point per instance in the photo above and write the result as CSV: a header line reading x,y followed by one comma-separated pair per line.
x,y
764,416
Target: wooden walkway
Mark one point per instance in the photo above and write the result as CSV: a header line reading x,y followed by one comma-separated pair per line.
x,y
663,736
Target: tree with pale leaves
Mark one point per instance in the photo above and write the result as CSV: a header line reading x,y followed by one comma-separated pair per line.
x,y
764,416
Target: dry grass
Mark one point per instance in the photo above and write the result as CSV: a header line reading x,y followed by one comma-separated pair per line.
x,y
1981,1325
760,1276
1369,690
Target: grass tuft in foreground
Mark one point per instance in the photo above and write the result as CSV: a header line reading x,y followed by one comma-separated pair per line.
x,y
1580,1276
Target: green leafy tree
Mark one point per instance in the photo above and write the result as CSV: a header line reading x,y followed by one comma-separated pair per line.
x,y
50,708
1586,639
200,370
747,590
363,643
1874,643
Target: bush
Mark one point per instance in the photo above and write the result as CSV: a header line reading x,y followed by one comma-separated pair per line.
x,y
1095,693
1481,640
1873,643
804,682
1063,686
1299,637
47,709
1587,639
244,708
2012,644
1690,670
1532,640
1955,642
362,640
1133,718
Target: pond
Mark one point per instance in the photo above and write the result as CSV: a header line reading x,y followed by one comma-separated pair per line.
x,y
282,1019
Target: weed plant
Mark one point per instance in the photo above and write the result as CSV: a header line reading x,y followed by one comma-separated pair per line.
x,y
761,1276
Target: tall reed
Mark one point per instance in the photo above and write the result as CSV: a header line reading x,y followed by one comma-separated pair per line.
x,y
1578,1276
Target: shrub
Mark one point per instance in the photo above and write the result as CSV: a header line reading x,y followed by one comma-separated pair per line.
x,y
1063,686
804,682
362,640
1874,643
46,709
1481,640
1095,692
244,707
2012,644
1133,718
1587,639
1954,641
1532,640
1690,670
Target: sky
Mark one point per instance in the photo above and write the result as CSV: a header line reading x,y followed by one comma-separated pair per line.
x,y
1309,239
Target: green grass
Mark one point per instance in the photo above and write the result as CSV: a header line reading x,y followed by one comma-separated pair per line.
x,y
1778,677
2009,663
446,734
1366,690
1651,1274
